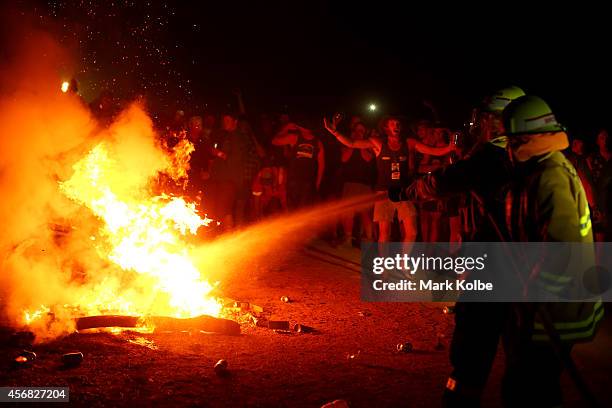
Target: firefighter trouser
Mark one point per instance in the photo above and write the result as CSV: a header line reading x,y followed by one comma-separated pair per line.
x,y
532,370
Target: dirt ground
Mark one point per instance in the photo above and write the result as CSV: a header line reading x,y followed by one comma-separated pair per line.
x,y
279,370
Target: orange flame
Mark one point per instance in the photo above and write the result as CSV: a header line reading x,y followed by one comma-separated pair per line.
x,y
181,153
100,241
142,234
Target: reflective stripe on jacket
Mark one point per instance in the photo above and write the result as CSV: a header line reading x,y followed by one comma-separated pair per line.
x,y
550,205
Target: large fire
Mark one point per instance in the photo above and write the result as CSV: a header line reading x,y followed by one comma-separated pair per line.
x,y
86,228
142,234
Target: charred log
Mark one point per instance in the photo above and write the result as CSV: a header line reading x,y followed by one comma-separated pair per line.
x,y
161,323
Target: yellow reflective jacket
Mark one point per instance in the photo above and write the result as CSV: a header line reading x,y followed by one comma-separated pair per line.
x,y
550,205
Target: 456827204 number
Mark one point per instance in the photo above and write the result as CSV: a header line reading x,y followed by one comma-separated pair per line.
x,y
34,394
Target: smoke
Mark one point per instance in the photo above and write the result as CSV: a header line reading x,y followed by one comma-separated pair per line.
x,y
46,253
41,129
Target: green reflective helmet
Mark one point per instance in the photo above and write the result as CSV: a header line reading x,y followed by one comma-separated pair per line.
x,y
528,115
502,98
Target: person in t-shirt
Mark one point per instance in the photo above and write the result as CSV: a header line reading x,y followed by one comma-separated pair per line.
x,y
305,166
230,185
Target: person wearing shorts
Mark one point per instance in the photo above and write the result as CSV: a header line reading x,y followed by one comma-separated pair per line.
x,y
393,165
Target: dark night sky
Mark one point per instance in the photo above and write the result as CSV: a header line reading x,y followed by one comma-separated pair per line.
x,y
322,56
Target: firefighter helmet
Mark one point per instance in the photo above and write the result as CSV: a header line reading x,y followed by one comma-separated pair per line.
x,y
500,99
528,115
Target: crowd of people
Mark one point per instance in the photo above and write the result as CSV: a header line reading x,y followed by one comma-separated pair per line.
x,y
243,171
245,168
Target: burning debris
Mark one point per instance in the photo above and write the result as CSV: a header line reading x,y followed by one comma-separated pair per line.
x,y
29,355
24,359
143,234
89,228
123,253
21,361
161,323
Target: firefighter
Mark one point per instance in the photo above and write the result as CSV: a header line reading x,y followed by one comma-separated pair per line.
x,y
485,174
556,208
546,203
